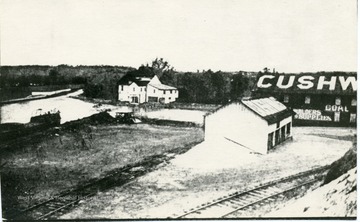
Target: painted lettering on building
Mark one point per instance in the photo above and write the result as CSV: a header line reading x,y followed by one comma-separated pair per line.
x,y
306,82
336,108
311,114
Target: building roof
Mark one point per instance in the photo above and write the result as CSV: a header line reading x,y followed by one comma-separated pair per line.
x,y
264,106
162,86
269,109
129,79
142,82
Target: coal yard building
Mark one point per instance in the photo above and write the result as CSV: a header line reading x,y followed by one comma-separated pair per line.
x,y
321,99
256,124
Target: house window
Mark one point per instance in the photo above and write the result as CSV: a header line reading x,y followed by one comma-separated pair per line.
x,y
277,124
352,117
154,90
307,99
171,91
134,89
353,102
164,91
286,98
122,88
140,89
337,101
169,98
337,116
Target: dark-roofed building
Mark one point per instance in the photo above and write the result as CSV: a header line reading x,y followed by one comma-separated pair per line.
x,y
140,89
321,99
256,124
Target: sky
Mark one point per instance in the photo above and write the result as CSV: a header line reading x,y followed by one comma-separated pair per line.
x,y
227,35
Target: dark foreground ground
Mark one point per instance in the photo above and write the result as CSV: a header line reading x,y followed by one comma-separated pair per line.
x,y
38,167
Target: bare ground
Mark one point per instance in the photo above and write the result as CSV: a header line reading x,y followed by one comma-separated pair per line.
x,y
209,171
37,170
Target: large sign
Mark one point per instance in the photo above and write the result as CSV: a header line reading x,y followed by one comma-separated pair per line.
x,y
336,108
306,82
311,114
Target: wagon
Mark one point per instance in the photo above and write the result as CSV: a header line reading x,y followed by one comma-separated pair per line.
x,y
126,117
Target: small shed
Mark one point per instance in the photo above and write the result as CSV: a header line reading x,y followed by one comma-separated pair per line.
x,y
256,124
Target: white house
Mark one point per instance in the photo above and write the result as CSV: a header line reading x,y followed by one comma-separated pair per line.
x,y
145,89
256,124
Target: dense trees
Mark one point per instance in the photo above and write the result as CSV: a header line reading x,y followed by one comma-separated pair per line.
x,y
210,87
24,76
102,81
205,87
99,81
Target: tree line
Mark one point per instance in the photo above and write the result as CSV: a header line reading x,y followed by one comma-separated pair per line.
x,y
194,87
35,75
209,86
102,81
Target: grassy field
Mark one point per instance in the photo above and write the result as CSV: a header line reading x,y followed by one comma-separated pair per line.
x,y
36,171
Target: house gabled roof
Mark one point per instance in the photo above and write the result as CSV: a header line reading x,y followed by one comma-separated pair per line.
x,y
163,86
268,109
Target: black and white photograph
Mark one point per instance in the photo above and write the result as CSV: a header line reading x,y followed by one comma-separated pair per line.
x,y
178,110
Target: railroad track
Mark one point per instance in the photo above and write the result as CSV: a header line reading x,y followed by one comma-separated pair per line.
x,y
234,203
58,205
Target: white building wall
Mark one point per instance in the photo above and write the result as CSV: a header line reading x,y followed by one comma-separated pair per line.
x,y
171,96
123,93
159,93
152,92
129,91
144,92
237,123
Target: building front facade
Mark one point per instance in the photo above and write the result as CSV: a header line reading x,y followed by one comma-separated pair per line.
x,y
256,124
318,100
138,90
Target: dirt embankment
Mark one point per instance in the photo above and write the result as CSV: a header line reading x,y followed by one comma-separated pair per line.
x,y
336,197
343,165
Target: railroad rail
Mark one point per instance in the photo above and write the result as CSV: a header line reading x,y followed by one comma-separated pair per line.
x,y
58,205
234,203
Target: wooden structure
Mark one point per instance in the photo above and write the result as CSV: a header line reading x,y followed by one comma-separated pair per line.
x,y
256,124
